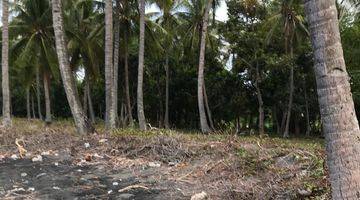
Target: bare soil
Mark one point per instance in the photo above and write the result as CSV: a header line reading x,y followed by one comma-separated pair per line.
x,y
157,164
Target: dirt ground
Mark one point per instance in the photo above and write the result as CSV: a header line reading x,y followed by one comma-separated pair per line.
x,y
157,164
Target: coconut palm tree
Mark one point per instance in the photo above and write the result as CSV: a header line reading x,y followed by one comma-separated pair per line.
x,y
5,64
35,31
140,100
290,20
340,125
82,124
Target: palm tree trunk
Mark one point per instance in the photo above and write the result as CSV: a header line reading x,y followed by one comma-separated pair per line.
x,y
5,65
127,88
260,102
308,128
116,61
340,124
207,107
291,93
85,96
203,121
38,93
167,82
110,121
82,124
47,98
91,106
33,106
28,107
140,101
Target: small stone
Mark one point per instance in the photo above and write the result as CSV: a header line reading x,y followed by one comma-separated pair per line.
x,y
56,164
172,164
199,196
23,174
14,157
154,164
37,158
79,170
110,191
87,145
115,183
56,188
31,189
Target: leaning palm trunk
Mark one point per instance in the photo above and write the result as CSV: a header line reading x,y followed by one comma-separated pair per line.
x,y
208,111
81,121
203,121
127,89
166,117
340,124
38,93
28,109
110,121
5,64
47,98
140,101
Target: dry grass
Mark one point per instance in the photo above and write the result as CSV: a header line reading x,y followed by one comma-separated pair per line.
x,y
225,166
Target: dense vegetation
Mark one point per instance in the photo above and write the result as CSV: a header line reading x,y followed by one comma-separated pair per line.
x,y
249,59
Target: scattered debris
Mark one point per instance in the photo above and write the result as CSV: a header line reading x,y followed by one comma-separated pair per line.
x,y
56,188
103,140
136,186
21,149
40,175
304,192
115,183
31,189
56,163
37,158
154,164
87,145
2,157
125,196
46,153
200,196
110,191
23,174
14,157
88,157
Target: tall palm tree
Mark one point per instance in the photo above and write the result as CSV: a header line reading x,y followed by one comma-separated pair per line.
x,y
82,124
5,64
110,121
201,83
292,24
340,125
140,100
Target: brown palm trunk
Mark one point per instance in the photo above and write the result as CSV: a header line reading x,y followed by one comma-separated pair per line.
x,y
167,82
6,121
340,125
38,85
110,121
127,88
140,101
82,124
47,98
33,106
260,101
291,92
203,121
116,61
308,128
208,111
28,106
